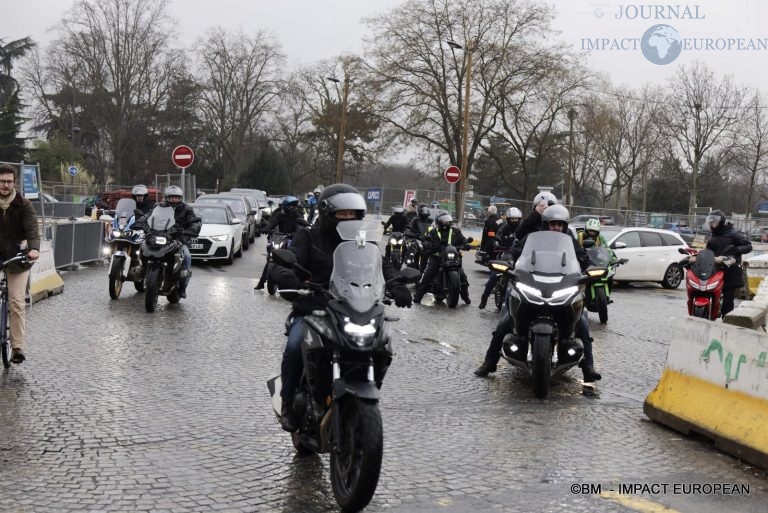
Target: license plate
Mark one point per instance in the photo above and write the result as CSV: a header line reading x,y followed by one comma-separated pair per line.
x,y
195,246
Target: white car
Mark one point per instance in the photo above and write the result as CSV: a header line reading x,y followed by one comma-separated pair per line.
x,y
652,254
221,234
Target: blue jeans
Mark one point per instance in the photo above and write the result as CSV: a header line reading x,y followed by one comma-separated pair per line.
x,y
186,258
292,365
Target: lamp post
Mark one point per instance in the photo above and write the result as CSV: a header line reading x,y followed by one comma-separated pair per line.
x,y
74,130
465,131
342,126
571,117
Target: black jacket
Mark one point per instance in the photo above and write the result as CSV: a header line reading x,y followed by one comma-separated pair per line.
x,y
314,249
145,206
506,235
398,222
720,240
285,222
437,239
417,227
187,223
492,224
532,223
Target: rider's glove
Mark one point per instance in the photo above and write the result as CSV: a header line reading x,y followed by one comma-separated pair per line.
x,y
402,296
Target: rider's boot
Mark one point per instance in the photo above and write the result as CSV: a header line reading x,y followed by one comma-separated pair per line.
x,y
183,282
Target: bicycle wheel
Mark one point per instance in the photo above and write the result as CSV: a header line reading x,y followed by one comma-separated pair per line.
x,y
5,339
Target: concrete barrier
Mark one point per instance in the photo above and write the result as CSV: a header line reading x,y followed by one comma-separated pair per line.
x,y
715,383
44,280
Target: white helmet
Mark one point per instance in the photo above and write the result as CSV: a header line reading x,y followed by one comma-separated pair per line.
x,y
139,190
544,196
514,213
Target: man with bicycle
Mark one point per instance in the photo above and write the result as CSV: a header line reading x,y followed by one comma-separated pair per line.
x,y
18,227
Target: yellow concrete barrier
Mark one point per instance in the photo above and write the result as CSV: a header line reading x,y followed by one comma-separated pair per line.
x,y
715,383
44,280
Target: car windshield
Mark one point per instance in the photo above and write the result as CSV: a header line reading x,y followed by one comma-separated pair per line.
x,y
548,252
237,205
213,215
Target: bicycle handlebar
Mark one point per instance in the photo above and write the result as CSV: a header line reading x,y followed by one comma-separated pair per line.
x,y
21,257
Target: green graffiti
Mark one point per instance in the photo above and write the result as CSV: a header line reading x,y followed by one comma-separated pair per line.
x,y
742,359
715,345
761,359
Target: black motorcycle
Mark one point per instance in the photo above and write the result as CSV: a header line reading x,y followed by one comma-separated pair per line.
x,y
447,282
545,300
396,245
161,257
413,252
500,288
346,351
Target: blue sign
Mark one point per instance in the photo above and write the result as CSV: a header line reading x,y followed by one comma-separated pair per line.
x,y
497,199
29,184
373,195
762,208
72,170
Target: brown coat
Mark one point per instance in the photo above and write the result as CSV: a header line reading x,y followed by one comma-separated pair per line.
x,y
17,223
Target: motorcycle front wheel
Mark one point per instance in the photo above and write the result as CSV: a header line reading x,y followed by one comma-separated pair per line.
x,y
701,312
153,289
601,301
540,365
454,288
356,465
115,281
499,290
396,260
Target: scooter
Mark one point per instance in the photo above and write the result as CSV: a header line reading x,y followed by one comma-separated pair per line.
x,y
704,282
123,245
346,349
598,294
545,300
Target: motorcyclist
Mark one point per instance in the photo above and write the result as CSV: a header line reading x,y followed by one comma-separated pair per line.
x,y
286,221
554,218
187,224
398,222
592,231
413,209
726,241
506,238
438,237
417,229
492,223
140,195
314,249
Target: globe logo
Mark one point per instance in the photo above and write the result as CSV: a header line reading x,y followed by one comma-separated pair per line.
x,y
599,13
661,44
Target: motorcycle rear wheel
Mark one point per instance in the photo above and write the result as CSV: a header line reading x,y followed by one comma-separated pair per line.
x,y
356,465
454,287
601,301
153,285
541,363
115,281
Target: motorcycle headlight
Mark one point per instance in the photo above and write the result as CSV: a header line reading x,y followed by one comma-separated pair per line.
x,y
116,233
360,334
398,242
450,256
219,238
694,285
711,286
562,295
533,295
160,239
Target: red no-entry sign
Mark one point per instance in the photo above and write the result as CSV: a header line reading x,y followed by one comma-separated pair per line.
x,y
452,174
182,156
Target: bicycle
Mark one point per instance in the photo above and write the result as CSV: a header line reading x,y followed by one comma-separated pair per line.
x,y
5,338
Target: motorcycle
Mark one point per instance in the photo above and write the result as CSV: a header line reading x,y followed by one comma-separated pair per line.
x,y
483,257
500,288
396,246
447,282
161,256
704,282
414,248
276,241
346,350
123,245
545,300
599,292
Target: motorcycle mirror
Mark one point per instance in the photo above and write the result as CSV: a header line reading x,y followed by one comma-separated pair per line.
x,y
470,240
682,251
587,243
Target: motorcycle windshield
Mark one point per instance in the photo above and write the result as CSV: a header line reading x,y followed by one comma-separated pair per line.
x,y
549,253
123,213
704,266
354,229
161,219
599,255
357,276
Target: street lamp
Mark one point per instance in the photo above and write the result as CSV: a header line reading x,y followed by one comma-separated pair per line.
x,y
465,126
571,117
342,126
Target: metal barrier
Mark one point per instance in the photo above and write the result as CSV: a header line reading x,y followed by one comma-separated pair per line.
x,y
60,209
77,242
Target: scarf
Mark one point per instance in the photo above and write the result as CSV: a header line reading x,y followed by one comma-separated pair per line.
x,y
6,202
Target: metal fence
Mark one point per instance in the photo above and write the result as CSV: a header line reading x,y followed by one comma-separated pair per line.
x,y
77,242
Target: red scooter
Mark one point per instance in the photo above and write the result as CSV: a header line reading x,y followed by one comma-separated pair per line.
x,y
704,283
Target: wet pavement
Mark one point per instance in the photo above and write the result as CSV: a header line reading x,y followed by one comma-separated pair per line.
x,y
120,410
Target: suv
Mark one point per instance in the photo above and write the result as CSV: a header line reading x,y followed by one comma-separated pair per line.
x,y
240,207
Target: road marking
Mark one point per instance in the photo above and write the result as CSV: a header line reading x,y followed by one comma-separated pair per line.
x,y
642,505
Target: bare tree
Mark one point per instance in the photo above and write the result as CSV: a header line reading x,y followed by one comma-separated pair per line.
x,y
750,148
422,79
239,75
699,115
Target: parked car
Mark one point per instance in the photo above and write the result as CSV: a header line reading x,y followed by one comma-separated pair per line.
x,y
264,206
758,234
221,234
652,255
685,232
582,219
254,214
239,206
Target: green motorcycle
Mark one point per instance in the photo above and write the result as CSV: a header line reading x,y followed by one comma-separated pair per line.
x,y
598,293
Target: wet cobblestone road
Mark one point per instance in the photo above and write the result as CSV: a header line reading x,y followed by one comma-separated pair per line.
x,y
120,410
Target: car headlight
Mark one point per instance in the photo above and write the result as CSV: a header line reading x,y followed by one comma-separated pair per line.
x,y
219,238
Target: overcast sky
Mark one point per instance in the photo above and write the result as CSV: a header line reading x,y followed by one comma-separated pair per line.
x,y
310,30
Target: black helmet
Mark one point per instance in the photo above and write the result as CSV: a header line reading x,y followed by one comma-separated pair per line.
x,y
716,221
337,197
556,213
444,220
424,213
